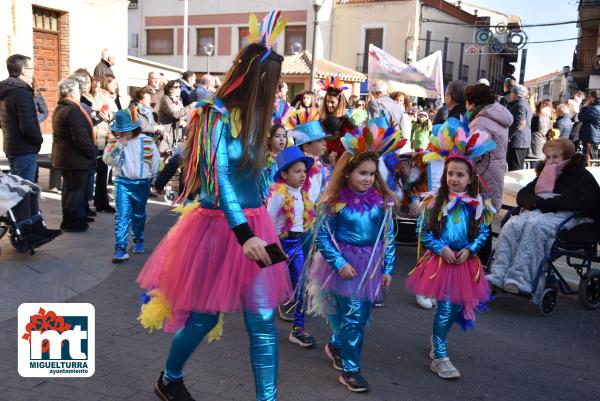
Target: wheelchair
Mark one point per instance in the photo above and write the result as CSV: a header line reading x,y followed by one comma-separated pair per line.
x,y
579,245
16,231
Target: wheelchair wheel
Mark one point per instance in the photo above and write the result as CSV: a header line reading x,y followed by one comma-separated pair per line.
x,y
17,243
588,291
548,302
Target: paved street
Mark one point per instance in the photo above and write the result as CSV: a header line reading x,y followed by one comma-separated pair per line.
x,y
515,354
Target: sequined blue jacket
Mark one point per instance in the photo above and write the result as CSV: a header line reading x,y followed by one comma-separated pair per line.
x,y
358,228
454,233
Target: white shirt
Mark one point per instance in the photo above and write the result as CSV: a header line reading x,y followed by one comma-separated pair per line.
x,y
274,205
128,160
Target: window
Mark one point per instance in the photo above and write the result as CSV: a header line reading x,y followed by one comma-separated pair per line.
x,y
464,73
546,90
449,71
243,37
206,36
159,41
293,35
373,36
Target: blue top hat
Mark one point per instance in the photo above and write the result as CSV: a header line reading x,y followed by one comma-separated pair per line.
x,y
308,132
124,121
289,156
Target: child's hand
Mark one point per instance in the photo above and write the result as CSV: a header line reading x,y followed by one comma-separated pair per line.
x,y
386,280
463,255
448,255
347,272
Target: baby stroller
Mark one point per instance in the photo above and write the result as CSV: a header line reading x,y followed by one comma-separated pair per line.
x,y
19,232
580,247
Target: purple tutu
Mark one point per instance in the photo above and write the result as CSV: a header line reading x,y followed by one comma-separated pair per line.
x,y
366,286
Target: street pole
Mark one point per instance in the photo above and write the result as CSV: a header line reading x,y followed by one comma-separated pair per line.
x,y
313,72
185,35
208,64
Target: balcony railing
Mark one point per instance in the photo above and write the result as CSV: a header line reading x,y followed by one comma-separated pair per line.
x,y
133,4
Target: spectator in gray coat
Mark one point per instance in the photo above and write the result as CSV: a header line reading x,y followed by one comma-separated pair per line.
x,y
519,133
384,105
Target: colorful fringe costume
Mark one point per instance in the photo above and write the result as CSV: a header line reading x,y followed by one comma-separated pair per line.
x,y
199,270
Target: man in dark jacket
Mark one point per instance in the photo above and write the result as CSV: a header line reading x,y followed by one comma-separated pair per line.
x,y
589,133
519,133
18,118
187,82
454,103
506,98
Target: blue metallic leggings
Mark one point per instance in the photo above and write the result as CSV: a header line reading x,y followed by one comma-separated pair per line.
x,y
445,315
293,247
131,197
347,329
263,348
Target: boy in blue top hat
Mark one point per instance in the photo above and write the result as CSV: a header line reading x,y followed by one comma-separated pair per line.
x,y
293,215
310,137
135,160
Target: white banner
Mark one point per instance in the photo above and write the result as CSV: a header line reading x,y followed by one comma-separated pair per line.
x,y
422,78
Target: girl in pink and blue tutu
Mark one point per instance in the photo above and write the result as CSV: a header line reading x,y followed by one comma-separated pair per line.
x,y
208,263
453,226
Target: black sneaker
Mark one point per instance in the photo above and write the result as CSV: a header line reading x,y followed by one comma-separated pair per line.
x,y
285,313
172,391
335,354
302,337
355,382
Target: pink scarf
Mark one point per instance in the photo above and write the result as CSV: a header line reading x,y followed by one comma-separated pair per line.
x,y
548,176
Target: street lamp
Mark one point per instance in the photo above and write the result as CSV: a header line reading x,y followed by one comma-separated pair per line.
x,y
316,7
208,50
296,48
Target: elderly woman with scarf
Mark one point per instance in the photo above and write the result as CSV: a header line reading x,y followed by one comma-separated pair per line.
x,y
562,187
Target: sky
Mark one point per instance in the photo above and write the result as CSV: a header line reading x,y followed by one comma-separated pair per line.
x,y
542,58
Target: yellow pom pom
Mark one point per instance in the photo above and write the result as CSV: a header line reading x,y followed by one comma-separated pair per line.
x,y
217,331
154,313
184,210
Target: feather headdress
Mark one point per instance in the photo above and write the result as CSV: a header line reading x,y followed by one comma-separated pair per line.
x,y
267,31
332,83
373,139
301,116
449,140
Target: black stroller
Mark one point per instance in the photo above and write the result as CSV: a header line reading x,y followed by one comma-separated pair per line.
x,y
26,233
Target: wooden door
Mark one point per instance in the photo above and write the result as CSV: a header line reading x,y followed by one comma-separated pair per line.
x,y
46,62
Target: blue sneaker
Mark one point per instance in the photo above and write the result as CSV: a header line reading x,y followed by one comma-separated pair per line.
x,y
138,247
120,256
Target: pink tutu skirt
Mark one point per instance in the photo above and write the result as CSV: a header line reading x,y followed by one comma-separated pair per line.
x,y
463,284
199,266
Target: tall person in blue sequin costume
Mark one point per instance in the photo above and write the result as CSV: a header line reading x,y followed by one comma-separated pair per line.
x,y
357,249
207,264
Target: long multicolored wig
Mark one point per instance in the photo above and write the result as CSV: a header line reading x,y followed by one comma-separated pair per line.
x,y
244,101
